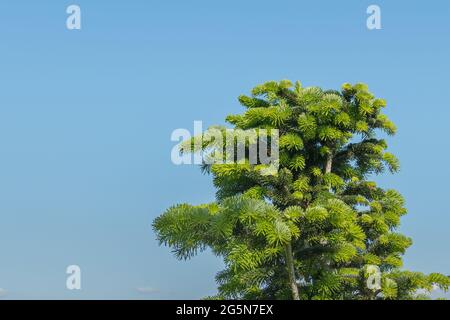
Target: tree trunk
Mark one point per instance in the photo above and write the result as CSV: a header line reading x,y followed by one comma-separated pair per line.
x,y
329,163
291,272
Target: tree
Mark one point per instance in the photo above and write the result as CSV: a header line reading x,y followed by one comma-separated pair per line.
x,y
317,228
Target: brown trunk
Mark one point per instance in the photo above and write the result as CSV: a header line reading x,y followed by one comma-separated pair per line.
x,y
291,272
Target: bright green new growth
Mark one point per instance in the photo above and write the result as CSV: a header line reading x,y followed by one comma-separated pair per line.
x,y
316,229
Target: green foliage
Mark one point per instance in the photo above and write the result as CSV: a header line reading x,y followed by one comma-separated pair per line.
x,y
336,223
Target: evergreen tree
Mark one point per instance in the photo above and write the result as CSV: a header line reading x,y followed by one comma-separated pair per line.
x,y
317,228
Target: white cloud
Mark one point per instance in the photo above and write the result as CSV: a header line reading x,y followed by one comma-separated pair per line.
x,y
3,292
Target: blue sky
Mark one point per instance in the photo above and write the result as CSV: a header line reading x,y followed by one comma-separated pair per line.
x,y
86,118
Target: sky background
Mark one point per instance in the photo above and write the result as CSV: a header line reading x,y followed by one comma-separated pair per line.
x,y
86,118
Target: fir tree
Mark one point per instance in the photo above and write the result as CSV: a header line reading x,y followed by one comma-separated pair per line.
x,y
318,228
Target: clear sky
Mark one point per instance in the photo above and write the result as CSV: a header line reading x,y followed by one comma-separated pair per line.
x,y
86,117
